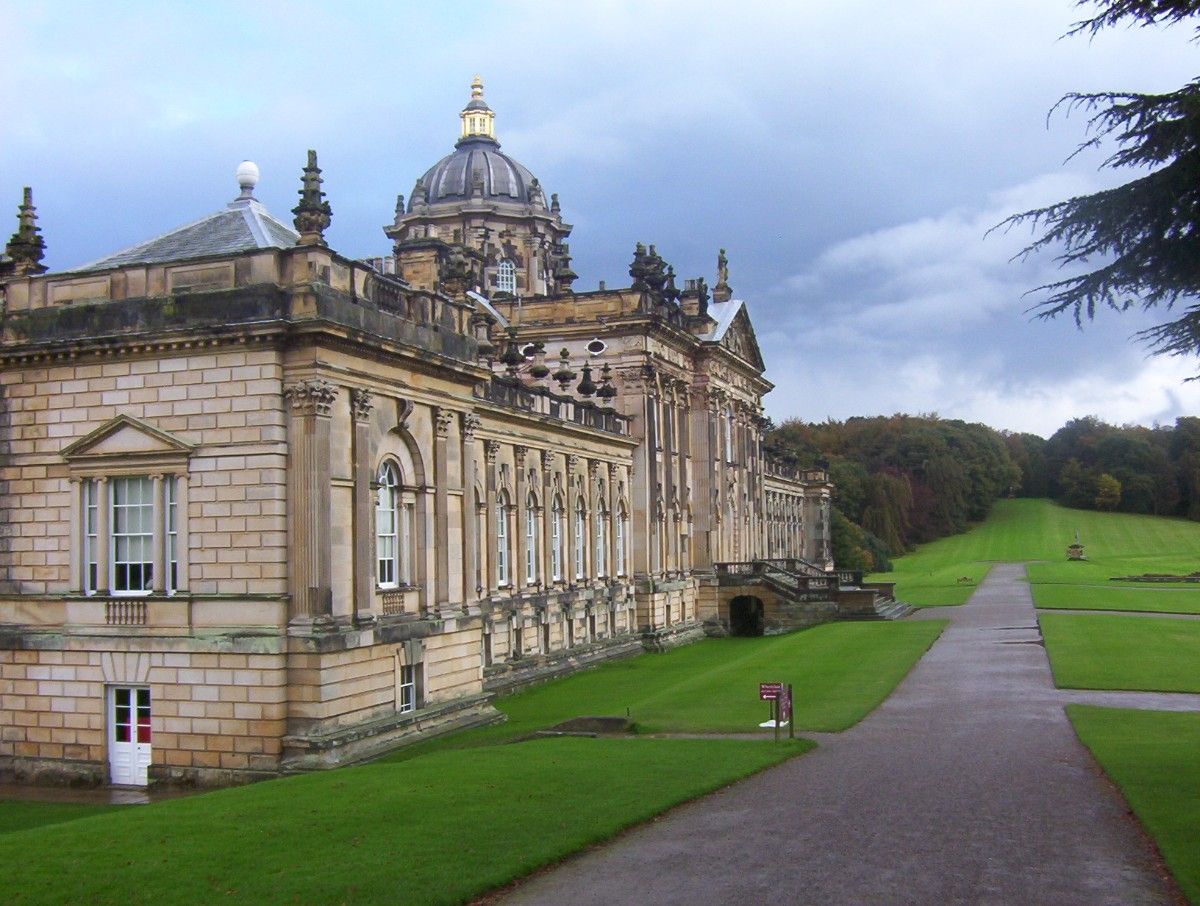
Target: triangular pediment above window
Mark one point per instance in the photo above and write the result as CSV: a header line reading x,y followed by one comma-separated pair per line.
x,y
127,437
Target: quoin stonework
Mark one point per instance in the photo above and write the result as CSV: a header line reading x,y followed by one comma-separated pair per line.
x,y
266,507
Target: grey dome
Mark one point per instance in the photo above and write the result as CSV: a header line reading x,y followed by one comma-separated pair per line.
x,y
478,158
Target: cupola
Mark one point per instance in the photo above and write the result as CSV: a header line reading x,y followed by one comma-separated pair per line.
x,y
478,120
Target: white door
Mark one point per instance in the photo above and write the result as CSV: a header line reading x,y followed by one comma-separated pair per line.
x,y
129,734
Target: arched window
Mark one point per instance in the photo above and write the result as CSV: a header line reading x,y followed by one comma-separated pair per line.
x,y
530,539
619,531
580,537
601,541
506,277
556,527
387,526
502,539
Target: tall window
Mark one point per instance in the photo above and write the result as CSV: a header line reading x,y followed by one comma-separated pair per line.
x,y
556,526
91,537
506,277
135,523
407,699
619,531
530,539
601,541
502,539
172,538
387,528
132,535
729,434
580,537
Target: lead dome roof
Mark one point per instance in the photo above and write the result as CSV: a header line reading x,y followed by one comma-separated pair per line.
x,y
478,158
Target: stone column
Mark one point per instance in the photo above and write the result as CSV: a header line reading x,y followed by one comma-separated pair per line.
x,y
103,533
569,516
158,572
309,501
471,578
442,419
547,464
362,529
611,537
78,567
491,448
520,578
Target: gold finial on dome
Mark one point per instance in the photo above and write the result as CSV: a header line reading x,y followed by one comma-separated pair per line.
x,y
477,117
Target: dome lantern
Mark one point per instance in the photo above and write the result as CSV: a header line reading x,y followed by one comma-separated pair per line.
x,y
477,117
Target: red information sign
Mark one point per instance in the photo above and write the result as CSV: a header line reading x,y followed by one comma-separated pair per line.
x,y
769,692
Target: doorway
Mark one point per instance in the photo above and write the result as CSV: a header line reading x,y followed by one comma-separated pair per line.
x,y
128,735
746,616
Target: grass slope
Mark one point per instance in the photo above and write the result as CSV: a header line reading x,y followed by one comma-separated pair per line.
x,y
1151,756
1101,651
450,819
840,672
1146,599
438,829
20,814
1116,544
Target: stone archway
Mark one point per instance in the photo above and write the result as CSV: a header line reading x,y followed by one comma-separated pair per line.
x,y
746,616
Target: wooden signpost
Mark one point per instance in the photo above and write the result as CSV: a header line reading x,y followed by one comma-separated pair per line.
x,y
780,697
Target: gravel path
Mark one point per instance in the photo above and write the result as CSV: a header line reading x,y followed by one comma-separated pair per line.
x,y
966,786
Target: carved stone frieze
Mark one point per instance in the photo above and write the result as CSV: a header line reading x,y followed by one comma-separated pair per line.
x,y
311,397
361,403
470,424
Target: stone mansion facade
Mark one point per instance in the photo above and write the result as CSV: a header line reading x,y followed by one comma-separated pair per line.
x,y
268,507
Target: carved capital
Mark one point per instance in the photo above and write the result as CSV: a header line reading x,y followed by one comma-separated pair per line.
x,y
361,404
470,424
311,397
572,463
612,471
547,462
490,450
519,451
442,419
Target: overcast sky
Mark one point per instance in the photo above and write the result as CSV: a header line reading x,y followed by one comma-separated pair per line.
x,y
850,157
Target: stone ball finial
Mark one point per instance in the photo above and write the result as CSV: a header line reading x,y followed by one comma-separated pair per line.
x,y
247,174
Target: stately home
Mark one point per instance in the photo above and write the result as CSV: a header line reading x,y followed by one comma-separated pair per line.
x,y
269,507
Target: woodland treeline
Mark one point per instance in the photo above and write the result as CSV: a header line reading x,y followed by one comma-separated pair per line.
x,y
906,479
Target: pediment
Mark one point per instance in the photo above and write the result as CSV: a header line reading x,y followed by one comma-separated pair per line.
x,y
126,436
741,341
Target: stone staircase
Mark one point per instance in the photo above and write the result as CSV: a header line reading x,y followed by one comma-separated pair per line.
x,y
888,608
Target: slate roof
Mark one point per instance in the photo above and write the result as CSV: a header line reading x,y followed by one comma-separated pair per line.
x,y
241,226
723,313
452,177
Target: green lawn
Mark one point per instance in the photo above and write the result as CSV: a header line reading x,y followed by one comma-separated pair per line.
x,y
18,814
1099,651
1116,544
1146,599
839,673
438,829
453,818
1152,757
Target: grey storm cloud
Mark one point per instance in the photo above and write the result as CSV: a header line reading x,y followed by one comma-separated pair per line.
x,y
849,156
